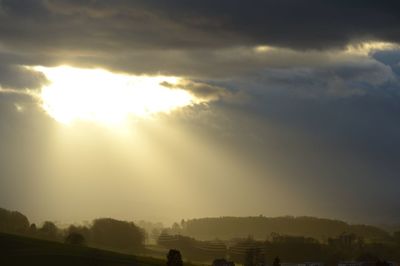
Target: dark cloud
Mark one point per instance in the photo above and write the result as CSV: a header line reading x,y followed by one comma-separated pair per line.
x,y
338,80
24,8
181,24
200,40
200,90
18,77
314,24
204,41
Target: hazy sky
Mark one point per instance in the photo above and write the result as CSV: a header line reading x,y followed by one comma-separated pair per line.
x,y
181,109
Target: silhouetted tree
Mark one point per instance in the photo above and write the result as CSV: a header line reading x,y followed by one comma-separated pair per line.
x,y
82,230
32,230
176,229
75,239
107,232
222,262
174,258
13,222
48,231
183,223
277,262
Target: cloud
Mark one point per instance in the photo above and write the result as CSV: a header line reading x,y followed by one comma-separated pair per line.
x,y
202,91
19,77
207,40
181,24
312,49
390,58
339,80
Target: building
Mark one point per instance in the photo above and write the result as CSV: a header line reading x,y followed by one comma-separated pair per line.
x,y
311,263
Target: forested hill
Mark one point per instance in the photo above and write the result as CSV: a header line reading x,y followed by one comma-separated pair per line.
x,y
261,227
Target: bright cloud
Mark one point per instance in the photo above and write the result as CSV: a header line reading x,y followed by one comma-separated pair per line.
x,y
105,97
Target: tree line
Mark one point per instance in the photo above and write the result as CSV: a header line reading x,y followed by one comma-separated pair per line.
x,y
260,227
102,233
365,243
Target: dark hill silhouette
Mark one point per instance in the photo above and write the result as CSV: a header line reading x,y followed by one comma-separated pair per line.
x,y
19,250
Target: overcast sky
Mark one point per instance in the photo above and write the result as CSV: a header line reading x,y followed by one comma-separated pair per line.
x,y
297,111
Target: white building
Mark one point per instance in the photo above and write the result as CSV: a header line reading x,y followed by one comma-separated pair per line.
x,y
311,263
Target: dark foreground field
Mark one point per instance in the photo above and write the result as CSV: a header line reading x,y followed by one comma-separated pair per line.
x,y
18,250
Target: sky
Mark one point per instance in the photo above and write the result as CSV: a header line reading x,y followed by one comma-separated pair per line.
x,y
169,110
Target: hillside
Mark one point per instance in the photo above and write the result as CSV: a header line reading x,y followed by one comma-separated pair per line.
x,y
261,227
18,250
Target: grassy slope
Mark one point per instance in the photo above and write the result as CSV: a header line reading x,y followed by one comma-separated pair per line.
x,y
19,250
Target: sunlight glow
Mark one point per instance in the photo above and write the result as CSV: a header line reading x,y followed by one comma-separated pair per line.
x,y
101,96
263,48
365,48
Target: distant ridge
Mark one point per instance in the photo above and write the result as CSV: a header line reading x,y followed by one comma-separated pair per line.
x,y
261,227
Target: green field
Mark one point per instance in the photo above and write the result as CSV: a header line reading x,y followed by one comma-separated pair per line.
x,y
19,250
